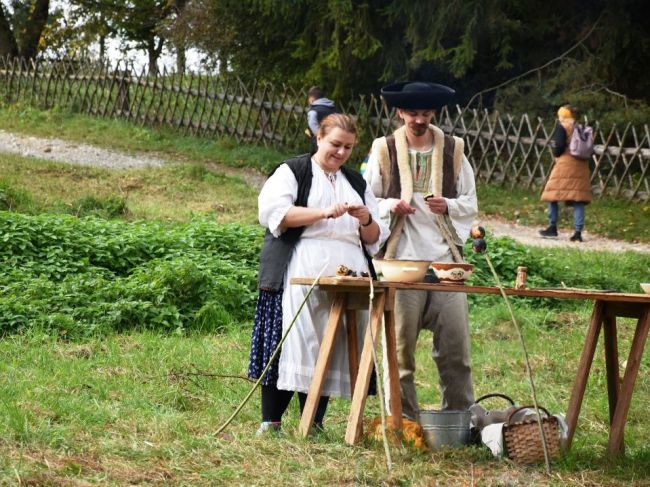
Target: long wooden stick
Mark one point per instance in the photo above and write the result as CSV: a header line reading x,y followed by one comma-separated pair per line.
x,y
275,353
380,382
528,368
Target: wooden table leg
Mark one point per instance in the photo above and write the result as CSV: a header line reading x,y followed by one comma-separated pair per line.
x,y
355,422
611,364
393,369
322,363
587,357
615,445
353,345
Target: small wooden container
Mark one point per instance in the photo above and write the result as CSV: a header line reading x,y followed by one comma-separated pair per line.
x,y
520,282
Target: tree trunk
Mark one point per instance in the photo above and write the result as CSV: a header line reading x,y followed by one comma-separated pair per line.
x,y
8,46
102,48
34,28
153,56
153,51
181,59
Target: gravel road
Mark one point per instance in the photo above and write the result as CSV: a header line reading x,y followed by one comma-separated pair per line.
x,y
72,152
81,154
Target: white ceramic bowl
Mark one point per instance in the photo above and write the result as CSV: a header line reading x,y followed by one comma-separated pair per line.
x,y
452,272
403,270
646,287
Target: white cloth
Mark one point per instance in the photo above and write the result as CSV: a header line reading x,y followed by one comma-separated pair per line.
x,y
492,434
421,239
334,241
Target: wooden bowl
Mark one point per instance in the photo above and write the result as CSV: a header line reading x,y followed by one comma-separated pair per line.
x,y
403,270
452,272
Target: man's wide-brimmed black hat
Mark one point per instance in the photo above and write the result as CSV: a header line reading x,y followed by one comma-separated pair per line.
x,y
417,95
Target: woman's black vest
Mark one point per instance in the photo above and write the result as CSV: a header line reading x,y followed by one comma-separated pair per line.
x,y
276,251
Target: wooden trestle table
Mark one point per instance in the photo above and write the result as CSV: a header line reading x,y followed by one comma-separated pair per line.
x,y
351,294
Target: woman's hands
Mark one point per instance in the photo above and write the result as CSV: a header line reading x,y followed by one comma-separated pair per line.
x,y
335,211
360,212
368,228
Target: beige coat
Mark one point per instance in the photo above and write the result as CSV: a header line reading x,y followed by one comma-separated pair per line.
x,y
570,178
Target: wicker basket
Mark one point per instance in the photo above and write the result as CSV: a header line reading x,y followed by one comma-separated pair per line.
x,y
523,443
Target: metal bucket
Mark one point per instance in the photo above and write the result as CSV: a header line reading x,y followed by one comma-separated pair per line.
x,y
445,429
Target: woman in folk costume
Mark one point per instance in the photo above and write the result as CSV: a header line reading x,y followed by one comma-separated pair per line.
x,y
569,180
318,213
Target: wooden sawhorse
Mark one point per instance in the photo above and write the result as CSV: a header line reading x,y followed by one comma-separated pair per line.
x,y
347,300
619,394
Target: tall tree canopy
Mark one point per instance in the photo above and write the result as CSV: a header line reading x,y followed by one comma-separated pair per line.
x,y
21,27
520,55
354,46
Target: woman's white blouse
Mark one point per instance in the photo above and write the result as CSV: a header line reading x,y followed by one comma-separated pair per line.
x,y
280,192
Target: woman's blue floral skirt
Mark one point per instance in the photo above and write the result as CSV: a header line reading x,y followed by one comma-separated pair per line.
x,y
267,332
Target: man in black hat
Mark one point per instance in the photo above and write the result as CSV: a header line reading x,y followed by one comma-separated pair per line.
x,y
420,176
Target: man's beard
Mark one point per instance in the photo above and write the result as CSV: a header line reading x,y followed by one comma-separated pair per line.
x,y
418,129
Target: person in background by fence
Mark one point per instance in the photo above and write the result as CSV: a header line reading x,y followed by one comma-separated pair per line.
x,y
316,211
319,108
404,168
569,180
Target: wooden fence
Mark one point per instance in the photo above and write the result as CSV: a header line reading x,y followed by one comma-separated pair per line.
x,y
503,149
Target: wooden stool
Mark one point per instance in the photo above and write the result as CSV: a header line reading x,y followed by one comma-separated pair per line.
x,y
349,300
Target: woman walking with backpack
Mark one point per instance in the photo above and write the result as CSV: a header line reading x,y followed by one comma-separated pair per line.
x,y
569,180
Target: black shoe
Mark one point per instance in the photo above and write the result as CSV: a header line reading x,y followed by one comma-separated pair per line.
x,y
551,231
576,237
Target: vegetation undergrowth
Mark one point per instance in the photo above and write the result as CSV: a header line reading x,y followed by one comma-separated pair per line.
x,y
81,277
88,275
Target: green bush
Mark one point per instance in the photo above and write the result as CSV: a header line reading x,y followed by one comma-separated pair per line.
x,y
79,277
556,268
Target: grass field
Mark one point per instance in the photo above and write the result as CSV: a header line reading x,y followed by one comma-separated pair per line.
x,y
140,404
143,408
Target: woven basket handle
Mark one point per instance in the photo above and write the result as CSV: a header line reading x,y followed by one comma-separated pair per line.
x,y
514,411
496,394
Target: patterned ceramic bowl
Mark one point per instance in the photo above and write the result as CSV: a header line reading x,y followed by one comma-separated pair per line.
x,y
646,287
452,272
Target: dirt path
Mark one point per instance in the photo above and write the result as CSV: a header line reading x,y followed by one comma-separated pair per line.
x,y
82,154
530,236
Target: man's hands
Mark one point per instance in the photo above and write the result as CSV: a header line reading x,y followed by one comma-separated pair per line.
x,y
402,208
437,204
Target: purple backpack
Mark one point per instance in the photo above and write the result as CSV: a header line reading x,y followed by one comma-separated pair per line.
x,y
581,144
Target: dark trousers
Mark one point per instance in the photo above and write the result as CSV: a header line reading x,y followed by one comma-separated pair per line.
x,y
276,401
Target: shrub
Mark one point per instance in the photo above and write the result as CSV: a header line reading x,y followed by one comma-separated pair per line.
x,y
80,277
